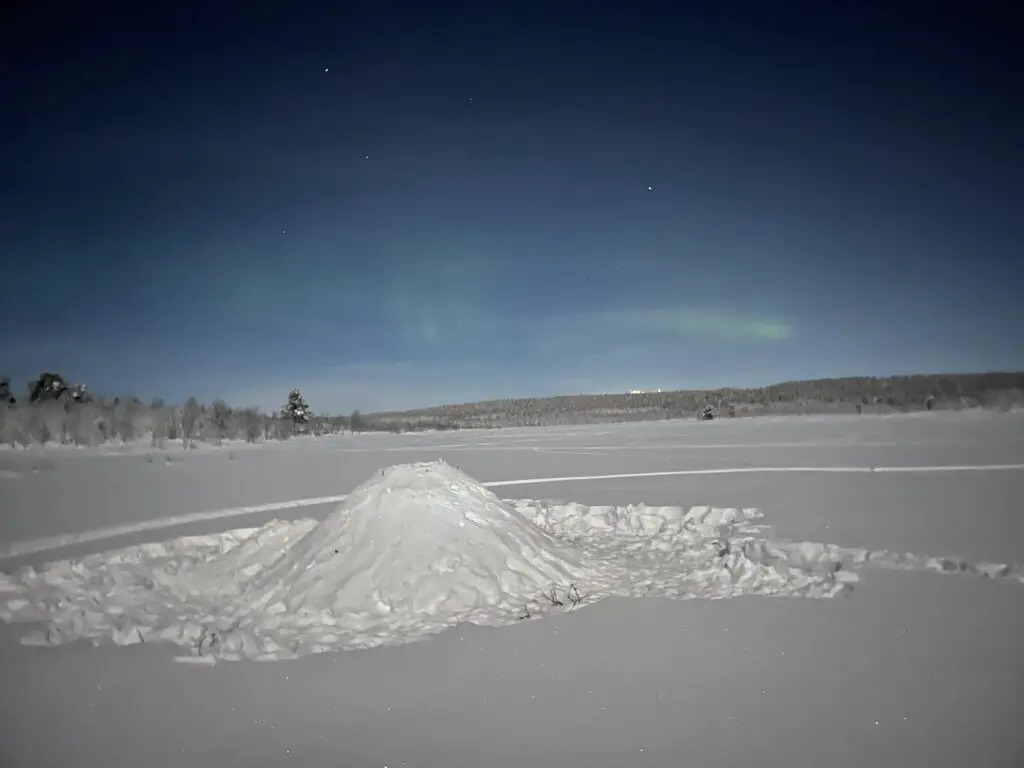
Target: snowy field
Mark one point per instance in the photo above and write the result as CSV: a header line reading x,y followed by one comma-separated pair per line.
x,y
861,627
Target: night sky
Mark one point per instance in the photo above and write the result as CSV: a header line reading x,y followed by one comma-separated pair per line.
x,y
402,204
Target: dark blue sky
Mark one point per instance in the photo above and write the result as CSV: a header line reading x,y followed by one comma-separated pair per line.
x,y
402,204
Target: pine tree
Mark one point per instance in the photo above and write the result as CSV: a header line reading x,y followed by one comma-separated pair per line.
x,y
297,409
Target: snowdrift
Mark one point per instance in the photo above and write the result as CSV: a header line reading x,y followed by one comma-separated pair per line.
x,y
414,550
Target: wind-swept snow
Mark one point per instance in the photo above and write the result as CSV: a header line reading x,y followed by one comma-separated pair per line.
x,y
414,550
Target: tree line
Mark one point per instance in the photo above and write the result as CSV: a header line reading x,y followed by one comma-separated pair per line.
x,y
52,410
853,395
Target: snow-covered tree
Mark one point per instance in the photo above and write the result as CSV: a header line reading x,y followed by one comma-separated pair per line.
x,y
6,396
190,415
296,409
79,393
124,416
84,424
50,422
356,423
251,423
221,418
49,386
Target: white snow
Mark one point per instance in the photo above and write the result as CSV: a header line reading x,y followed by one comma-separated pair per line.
x,y
912,669
414,550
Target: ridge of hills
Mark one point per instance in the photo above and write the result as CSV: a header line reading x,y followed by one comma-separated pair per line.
x,y
849,395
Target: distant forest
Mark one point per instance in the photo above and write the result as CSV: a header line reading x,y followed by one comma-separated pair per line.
x,y
54,411
861,395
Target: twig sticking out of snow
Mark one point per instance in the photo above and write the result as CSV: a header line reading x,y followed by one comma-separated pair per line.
x,y
575,597
572,594
208,639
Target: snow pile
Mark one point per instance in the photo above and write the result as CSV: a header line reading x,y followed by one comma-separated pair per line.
x,y
745,553
420,539
414,550
705,552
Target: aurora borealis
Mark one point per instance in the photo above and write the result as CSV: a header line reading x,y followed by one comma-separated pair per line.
x,y
390,205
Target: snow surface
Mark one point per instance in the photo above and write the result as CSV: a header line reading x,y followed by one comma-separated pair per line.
x,y
54,492
414,550
912,670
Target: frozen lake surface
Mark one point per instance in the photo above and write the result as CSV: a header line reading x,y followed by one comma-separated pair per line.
x,y
911,667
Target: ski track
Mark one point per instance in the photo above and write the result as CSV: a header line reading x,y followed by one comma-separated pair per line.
x,y
35,546
554,446
419,548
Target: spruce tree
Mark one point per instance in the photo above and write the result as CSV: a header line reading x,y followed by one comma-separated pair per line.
x,y
297,409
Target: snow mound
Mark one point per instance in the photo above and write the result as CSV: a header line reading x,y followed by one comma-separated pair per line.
x,y
414,550
417,538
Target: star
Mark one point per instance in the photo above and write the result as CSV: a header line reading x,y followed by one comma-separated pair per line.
x,y
649,189
327,69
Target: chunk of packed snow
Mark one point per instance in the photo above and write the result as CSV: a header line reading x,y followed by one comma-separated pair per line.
x,y
414,550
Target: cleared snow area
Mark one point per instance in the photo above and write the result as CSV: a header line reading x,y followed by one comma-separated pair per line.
x,y
441,625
